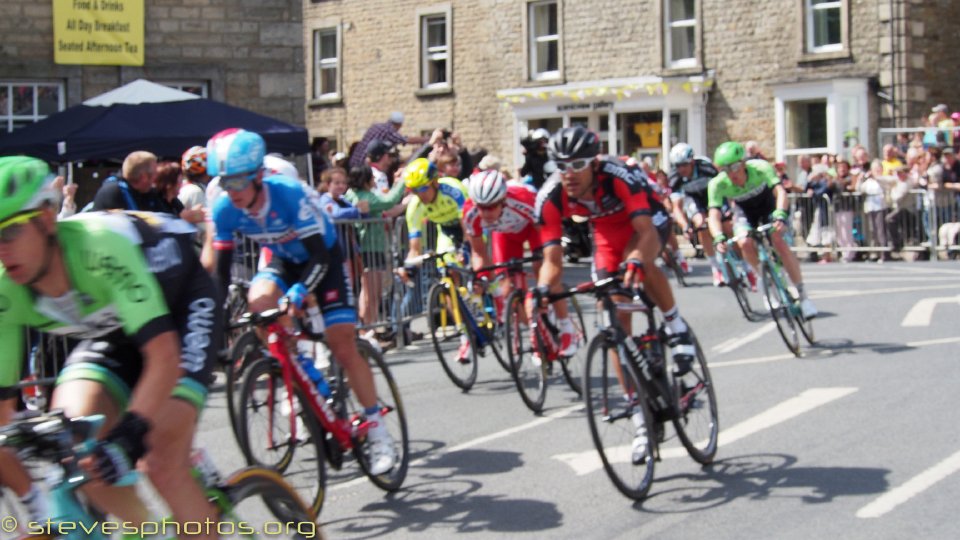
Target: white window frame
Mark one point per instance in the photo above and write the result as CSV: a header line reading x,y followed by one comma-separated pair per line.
x,y
182,84
669,27
430,54
809,10
325,63
6,113
833,91
533,40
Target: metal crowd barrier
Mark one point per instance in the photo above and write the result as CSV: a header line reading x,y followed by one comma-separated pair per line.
x,y
920,221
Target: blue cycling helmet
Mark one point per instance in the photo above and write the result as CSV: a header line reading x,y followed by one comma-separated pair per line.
x,y
235,151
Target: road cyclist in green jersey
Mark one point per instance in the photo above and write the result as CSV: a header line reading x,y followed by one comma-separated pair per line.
x,y
439,201
130,286
754,188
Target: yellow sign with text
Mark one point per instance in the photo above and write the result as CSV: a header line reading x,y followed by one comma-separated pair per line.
x,y
98,32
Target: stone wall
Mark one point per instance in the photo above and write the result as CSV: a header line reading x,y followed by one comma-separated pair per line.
x,y
249,52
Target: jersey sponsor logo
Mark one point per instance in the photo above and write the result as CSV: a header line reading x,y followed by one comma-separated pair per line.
x,y
331,296
97,324
164,256
115,272
197,339
747,195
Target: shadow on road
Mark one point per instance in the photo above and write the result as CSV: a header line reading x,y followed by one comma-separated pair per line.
x,y
450,505
835,347
759,477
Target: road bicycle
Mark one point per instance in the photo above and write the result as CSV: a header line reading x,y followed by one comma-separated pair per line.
x,y
282,412
456,310
782,299
632,383
53,438
670,261
533,346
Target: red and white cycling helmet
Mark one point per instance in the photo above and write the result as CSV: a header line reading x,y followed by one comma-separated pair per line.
x,y
487,187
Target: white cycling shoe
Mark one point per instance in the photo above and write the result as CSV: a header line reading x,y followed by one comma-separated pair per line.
x,y
381,454
808,309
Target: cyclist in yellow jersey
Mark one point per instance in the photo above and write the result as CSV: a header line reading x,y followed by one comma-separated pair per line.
x,y
440,201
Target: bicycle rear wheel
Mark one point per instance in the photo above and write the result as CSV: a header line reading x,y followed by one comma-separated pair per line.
x,y
495,334
247,487
245,350
346,404
267,440
616,407
573,365
737,281
773,289
444,331
696,424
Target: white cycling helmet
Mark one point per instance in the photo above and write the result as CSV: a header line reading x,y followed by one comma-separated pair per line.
x,y
274,164
487,187
681,153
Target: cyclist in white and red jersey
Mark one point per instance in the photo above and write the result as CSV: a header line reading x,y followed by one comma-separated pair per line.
x,y
509,214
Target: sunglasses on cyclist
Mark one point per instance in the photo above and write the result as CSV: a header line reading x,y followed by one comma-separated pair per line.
x,y
237,182
421,189
12,228
733,167
576,165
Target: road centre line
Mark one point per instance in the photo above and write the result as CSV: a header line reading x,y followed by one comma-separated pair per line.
x,y
911,488
556,415
588,461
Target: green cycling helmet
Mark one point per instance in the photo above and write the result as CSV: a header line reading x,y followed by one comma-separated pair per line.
x,y
25,184
728,153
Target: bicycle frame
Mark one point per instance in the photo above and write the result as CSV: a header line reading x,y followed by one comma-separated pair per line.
x,y
295,378
462,315
769,258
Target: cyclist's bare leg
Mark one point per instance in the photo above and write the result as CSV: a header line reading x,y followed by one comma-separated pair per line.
x,y
706,239
167,464
83,398
655,281
12,473
341,338
749,251
790,262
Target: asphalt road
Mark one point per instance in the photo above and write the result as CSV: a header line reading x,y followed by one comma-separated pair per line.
x,y
856,439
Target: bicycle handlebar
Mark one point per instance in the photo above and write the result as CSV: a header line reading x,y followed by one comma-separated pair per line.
x,y
513,264
427,256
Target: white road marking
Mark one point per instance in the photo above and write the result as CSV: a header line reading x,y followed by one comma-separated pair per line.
x,y
882,279
556,415
735,343
928,342
819,295
588,461
911,488
922,312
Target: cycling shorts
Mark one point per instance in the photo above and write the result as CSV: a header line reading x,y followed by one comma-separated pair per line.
x,y
334,294
508,246
744,221
116,362
611,242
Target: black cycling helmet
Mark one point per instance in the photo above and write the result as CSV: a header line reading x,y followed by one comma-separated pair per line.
x,y
573,143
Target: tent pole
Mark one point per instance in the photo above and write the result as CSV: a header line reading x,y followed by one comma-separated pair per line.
x,y
310,169
69,172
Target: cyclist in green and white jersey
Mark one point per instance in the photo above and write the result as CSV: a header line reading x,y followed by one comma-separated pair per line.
x,y
131,287
754,187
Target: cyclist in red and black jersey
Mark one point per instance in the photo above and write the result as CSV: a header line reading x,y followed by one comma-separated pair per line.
x,y
630,224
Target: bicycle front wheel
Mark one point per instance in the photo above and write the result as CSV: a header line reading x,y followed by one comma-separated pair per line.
x,y
573,365
391,410
447,338
696,424
805,325
529,373
250,487
777,302
495,334
267,438
616,412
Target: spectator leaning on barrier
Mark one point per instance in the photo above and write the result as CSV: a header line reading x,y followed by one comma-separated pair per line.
x,y
844,205
374,244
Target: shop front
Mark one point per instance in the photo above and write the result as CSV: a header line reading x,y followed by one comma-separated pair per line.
x,y
639,117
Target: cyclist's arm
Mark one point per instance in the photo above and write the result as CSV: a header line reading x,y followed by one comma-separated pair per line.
x,y
551,270
161,371
478,252
222,244
318,264
715,222
783,201
12,336
414,216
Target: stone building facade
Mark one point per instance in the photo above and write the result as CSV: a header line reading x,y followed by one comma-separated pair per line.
x,y
795,75
246,53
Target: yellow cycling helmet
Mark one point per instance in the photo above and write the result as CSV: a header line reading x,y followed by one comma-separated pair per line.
x,y
419,173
